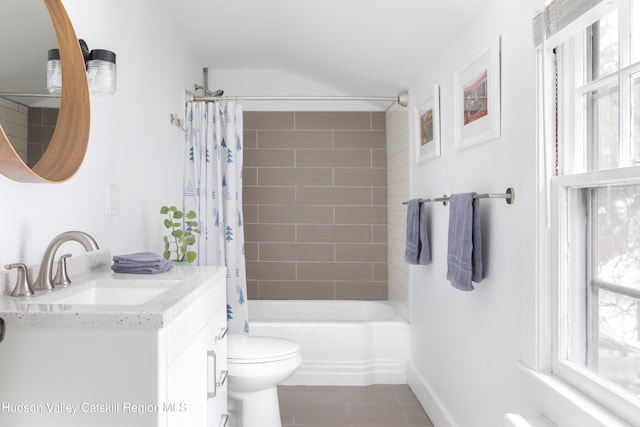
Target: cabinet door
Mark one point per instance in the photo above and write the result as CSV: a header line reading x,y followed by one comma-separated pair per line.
x,y
217,372
194,397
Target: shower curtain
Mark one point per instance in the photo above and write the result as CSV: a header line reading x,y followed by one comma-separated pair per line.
x,y
213,189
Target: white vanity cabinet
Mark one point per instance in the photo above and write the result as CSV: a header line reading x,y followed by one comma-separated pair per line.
x,y
105,373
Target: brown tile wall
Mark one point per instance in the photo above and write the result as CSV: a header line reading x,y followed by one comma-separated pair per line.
x,y
315,205
42,122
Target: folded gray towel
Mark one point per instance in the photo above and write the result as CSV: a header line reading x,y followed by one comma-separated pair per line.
x,y
140,263
464,255
417,244
138,257
151,269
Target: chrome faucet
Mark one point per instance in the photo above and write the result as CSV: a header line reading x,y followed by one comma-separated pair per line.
x,y
45,275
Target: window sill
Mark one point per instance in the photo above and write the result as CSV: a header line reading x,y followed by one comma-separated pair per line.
x,y
561,403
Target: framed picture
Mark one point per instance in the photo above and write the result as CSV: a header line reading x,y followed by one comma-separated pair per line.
x,y
427,123
477,97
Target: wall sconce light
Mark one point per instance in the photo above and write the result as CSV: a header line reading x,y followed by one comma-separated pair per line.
x,y
54,72
100,65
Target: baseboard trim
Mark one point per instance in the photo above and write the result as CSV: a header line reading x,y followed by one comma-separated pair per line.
x,y
428,399
346,373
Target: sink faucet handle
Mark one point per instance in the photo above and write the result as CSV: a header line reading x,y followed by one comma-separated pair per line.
x,y
62,278
23,286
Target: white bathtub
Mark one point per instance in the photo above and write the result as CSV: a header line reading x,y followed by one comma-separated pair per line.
x,y
343,342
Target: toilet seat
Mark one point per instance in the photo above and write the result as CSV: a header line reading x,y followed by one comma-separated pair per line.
x,y
257,349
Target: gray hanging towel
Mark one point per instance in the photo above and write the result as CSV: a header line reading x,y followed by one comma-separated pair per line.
x,y
417,250
424,258
464,255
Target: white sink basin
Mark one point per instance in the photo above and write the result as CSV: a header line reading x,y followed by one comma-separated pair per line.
x,y
105,292
111,296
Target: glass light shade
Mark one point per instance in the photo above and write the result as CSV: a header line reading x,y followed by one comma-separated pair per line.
x,y
102,71
54,72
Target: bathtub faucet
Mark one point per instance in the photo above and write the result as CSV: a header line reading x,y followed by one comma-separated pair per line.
x,y
44,281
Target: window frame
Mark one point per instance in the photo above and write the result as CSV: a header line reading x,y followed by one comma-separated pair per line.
x,y
583,379
562,184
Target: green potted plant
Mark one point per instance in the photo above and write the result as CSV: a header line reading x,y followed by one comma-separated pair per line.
x,y
183,229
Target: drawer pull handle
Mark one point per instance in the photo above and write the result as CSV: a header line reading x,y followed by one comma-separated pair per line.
x,y
223,333
211,372
224,375
224,420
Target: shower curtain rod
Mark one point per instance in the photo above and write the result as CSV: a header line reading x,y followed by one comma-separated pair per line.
x,y
402,99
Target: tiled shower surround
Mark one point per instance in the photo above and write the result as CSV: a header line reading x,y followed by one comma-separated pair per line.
x,y
42,122
29,128
315,205
398,144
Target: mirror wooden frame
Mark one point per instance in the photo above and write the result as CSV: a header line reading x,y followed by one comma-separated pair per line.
x,y
68,145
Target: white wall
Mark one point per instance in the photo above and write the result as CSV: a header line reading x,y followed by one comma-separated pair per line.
x,y
132,144
274,82
465,344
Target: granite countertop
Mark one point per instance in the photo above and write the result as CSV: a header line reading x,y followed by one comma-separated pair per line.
x,y
184,285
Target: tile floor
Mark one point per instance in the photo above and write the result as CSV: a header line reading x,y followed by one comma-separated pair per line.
x,y
370,406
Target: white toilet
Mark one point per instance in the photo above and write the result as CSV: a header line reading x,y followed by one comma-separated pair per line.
x,y
256,366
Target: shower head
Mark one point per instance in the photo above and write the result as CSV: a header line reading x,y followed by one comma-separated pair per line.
x,y
207,92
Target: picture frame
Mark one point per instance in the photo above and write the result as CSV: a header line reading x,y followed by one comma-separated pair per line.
x,y
477,97
427,127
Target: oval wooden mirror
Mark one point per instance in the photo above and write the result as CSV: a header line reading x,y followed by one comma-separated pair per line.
x,y
70,138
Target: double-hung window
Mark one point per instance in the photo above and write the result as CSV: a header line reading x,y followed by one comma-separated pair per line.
x,y
592,104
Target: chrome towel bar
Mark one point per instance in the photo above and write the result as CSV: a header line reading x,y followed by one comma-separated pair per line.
x,y
509,195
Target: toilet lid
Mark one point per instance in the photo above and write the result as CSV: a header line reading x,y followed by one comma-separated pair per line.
x,y
257,349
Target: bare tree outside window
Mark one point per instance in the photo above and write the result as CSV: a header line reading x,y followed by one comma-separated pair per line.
x,y
614,341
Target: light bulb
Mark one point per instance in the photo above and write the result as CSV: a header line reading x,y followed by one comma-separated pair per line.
x,y
54,72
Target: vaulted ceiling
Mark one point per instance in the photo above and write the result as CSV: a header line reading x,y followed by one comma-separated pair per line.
x,y
358,47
